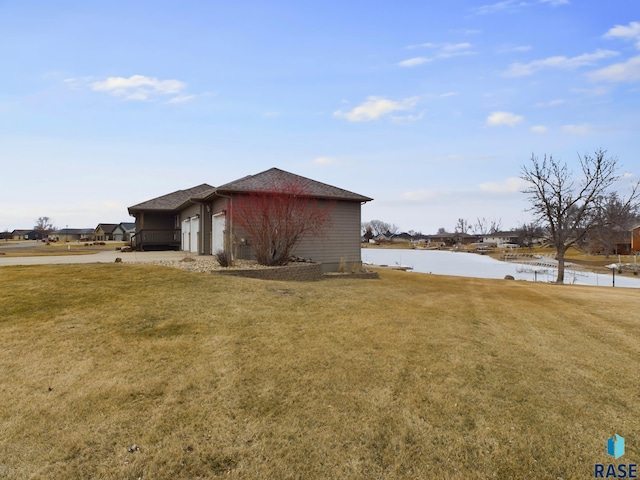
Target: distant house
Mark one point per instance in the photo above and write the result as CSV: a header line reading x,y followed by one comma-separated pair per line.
x,y
502,238
104,232
5,236
201,219
72,234
445,239
123,231
26,235
451,239
401,237
119,232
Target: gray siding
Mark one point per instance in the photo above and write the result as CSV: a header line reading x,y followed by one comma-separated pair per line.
x,y
206,228
341,242
191,211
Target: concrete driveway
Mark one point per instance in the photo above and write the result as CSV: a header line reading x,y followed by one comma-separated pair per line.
x,y
100,257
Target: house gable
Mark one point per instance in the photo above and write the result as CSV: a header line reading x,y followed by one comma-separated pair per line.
x,y
265,182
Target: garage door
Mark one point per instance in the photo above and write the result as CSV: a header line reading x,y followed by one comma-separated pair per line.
x,y
218,233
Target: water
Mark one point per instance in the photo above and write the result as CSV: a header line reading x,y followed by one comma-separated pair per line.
x,y
481,266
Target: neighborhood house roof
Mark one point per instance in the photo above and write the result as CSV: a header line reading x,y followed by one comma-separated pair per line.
x,y
171,201
107,227
267,180
74,231
127,226
511,233
260,182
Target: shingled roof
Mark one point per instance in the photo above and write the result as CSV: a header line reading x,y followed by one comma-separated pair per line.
x,y
107,227
171,201
267,180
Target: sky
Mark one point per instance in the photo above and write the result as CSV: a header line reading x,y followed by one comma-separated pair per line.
x,y
430,108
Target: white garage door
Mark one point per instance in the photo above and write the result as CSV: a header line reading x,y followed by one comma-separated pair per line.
x,y
186,230
190,230
217,239
195,230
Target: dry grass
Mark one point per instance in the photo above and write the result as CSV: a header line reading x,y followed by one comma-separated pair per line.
x,y
40,249
409,376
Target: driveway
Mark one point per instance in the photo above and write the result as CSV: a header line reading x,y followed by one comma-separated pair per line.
x,y
100,257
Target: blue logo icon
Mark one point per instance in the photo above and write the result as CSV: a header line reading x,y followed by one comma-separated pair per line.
x,y
615,446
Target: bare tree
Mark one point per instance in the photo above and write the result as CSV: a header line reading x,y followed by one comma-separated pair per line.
x,y
366,231
462,226
484,226
378,227
44,225
276,220
567,207
529,232
614,219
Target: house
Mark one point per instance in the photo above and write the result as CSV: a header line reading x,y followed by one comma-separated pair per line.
x,y
72,234
200,219
104,232
26,235
500,239
119,232
159,221
402,237
123,231
5,235
451,239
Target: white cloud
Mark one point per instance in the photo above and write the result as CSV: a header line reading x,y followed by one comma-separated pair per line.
x,y
592,92
510,185
583,129
627,72
404,119
551,103
512,5
412,62
504,118
182,99
495,7
376,107
140,87
539,129
420,195
631,32
325,161
517,48
558,62
441,51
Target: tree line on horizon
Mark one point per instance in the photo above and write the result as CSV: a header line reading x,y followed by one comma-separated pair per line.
x,y
582,210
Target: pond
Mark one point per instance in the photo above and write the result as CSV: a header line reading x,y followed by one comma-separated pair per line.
x,y
462,264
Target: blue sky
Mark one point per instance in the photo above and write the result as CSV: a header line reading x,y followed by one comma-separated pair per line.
x,y
429,109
